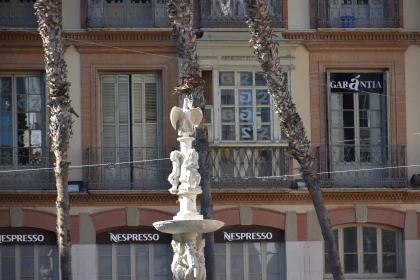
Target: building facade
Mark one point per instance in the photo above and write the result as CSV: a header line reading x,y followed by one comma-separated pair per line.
x,y
353,69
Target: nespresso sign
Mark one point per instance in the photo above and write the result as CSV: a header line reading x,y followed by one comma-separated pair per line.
x,y
132,235
249,233
27,236
355,82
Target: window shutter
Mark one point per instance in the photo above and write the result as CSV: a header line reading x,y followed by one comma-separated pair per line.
x,y
151,117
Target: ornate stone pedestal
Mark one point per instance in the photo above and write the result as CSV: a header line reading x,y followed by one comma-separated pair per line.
x,y
188,262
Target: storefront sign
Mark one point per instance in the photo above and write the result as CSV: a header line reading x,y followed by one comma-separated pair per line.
x,y
132,235
355,82
27,235
249,234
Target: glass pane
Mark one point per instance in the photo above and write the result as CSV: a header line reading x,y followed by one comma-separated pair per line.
x,y
336,103
105,265
236,259
350,240
364,119
48,261
228,132
123,265
7,250
389,240
389,261
247,132
5,85
263,114
348,136
273,263
142,265
35,103
255,276
161,260
350,263
262,97
348,118
245,97
27,267
246,78
227,78
220,248
105,277
227,97
246,115
370,263
26,250
369,240
21,103
272,247
105,249
348,101
141,249
364,102
8,268
124,277
254,248
123,249
228,114
337,119
259,79
237,277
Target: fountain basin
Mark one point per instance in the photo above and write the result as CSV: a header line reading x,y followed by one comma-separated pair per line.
x,y
188,226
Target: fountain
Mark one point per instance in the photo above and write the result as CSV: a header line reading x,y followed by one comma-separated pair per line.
x,y
188,262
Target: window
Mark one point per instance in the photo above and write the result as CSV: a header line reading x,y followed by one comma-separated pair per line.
x,y
22,111
249,261
35,262
135,261
245,107
18,13
368,251
130,125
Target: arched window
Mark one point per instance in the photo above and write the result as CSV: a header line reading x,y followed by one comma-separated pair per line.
x,y
368,251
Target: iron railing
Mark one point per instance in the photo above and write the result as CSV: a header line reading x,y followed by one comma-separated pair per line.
x,y
25,169
127,14
229,167
234,13
358,14
18,13
349,166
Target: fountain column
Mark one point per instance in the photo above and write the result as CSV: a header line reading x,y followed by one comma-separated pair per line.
x,y
188,261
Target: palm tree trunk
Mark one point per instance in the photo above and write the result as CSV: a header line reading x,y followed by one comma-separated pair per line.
x,y
265,47
181,17
50,29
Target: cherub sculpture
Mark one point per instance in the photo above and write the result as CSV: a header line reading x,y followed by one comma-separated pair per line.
x,y
186,118
189,173
190,259
201,260
176,158
177,267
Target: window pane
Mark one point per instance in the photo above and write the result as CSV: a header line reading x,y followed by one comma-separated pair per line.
x,y
263,114
7,262
254,251
246,115
350,240
369,240
348,118
246,78
228,132
227,78
245,97
350,263
370,263
123,265
262,97
228,114
247,132
26,250
389,251
259,79
105,265
161,259
348,101
364,102
227,97
5,85
26,266
105,249
142,259
237,259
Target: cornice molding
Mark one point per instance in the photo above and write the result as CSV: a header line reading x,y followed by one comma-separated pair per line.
x,y
354,35
220,197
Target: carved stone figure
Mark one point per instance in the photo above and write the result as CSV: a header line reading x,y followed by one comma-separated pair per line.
x,y
190,259
201,260
178,270
224,7
186,118
189,173
176,158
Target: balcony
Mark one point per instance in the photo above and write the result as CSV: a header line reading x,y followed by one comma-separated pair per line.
x,y
234,13
127,14
18,14
23,170
230,168
358,14
348,166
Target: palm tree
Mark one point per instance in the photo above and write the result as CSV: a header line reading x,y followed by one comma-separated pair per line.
x,y
265,47
50,28
181,17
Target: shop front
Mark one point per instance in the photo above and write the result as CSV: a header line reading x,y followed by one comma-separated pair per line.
x,y
28,253
250,253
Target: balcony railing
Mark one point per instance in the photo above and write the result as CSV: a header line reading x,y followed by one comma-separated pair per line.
x,y
18,13
358,14
229,167
347,166
234,13
127,14
25,169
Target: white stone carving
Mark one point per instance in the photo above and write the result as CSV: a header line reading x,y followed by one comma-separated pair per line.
x,y
189,173
176,158
201,259
186,118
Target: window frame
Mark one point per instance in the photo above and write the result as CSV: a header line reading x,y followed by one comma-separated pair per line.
x,y
360,274
276,134
44,112
18,258
133,255
245,250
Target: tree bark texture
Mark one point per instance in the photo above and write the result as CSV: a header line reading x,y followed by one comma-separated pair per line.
x,y
182,24
50,28
265,47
